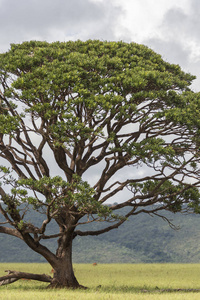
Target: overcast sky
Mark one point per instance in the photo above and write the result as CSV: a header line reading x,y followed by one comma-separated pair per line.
x,y
170,27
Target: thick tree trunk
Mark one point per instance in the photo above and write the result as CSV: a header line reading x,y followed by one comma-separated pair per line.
x,y
63,270
62,265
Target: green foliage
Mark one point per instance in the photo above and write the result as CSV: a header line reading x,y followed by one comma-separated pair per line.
x,y
54,80
60,193
4,170
8,123
168,193
21,225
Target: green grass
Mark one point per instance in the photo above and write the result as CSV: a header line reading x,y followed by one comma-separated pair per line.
x,y
110,281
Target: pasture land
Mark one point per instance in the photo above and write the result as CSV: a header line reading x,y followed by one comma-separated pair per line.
x,y
111,281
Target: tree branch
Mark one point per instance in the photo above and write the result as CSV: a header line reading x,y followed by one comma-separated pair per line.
x,y
15,275
10,231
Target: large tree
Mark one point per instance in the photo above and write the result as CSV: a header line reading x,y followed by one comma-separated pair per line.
x,y
83,124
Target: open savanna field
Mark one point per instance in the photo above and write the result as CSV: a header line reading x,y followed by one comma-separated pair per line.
x,y
111,281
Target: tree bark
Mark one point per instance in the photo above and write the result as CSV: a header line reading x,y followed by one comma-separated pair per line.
x,y
63,269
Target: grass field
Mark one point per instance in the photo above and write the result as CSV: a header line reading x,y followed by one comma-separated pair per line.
x,y
111,281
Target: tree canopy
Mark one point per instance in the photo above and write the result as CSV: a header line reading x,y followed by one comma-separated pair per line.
x,y
84,122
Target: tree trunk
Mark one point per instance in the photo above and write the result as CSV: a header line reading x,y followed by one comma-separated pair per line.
x,y
63,276
63,270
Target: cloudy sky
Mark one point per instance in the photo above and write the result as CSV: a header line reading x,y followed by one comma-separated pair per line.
x,y
170,27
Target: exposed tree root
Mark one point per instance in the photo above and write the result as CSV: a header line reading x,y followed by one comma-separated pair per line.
x,y
61,286
15,275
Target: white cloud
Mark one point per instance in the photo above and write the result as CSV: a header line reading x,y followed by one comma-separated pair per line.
x,y
177,38
143,17
170,27
56,20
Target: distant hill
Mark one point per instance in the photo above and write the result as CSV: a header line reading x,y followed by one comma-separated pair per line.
x,y
142,239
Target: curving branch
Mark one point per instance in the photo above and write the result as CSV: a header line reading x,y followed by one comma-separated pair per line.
x,y
10,231
15,275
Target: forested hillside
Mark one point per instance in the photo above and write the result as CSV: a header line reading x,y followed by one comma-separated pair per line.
x,y
141,239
